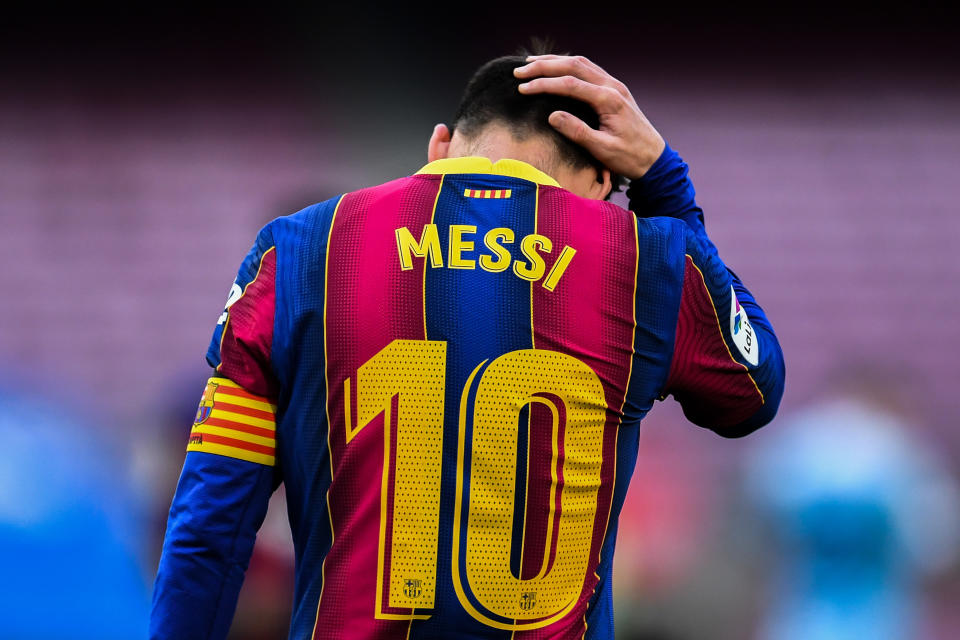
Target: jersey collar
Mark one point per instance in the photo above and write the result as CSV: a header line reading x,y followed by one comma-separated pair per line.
x,y
477,164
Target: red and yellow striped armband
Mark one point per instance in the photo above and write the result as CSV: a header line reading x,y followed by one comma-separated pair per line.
x,y
235,423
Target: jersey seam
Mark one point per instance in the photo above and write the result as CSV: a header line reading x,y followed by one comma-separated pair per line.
x,y
663,391
326,380
716,315
226,323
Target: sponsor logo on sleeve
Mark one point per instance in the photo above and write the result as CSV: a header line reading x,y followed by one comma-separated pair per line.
x,y
742,331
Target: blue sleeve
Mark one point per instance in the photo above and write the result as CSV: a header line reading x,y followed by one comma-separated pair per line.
x,y
666,190
230,467
705,386
218,508
242,345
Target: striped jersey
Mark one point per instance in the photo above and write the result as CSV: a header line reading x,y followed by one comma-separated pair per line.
x,y
447,372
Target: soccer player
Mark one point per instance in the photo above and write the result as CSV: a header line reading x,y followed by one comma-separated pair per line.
x,y
448,372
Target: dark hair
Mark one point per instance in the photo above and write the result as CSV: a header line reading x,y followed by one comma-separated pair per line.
x,y
492,96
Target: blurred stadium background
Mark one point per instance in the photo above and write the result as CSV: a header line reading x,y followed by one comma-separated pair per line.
x,y
140,151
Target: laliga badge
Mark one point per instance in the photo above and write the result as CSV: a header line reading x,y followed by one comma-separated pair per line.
x,y
742,331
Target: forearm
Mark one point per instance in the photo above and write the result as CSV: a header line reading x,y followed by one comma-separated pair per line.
x,y
738,388
219,505
728,370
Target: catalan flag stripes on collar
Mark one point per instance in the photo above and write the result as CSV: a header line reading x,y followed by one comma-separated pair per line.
x,y
235,423
488,193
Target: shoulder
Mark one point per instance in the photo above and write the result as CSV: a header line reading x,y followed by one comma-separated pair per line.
x,y
651,227
302,222
671,232
320,216
660,241
303,235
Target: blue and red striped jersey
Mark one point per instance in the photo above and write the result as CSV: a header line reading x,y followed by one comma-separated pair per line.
x,y
448,372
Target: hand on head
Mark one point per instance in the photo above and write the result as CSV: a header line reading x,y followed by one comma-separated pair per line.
x,y
626,142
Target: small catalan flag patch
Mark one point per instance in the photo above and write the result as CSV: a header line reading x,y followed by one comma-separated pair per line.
x,y
234,423
487,193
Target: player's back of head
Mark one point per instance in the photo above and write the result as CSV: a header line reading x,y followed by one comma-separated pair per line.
x,y
492,97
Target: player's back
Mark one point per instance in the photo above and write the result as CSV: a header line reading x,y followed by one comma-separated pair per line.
x,y
463,357
447,373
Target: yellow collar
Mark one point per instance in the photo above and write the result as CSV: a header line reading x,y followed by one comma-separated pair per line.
x,y
477,164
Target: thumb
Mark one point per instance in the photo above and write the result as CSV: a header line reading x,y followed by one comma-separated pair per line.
x,y
574,128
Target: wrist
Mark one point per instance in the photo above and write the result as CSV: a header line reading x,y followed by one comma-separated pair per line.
x,y
647,160
665,189
663,164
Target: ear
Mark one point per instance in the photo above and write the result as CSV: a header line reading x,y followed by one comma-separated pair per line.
x,y
602,186
439,145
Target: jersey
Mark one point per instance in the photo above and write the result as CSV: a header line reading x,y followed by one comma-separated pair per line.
x,y
448,372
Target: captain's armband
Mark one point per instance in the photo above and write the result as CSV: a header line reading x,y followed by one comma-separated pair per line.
x,y
235,423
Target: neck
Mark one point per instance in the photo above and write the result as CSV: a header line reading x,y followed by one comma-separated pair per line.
x,y
496,143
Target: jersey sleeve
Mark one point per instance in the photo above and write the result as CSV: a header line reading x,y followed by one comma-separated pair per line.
x,y
243,338
666,190
230,468
727,369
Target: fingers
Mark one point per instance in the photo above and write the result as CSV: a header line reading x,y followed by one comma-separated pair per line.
x,y
625,141
577,59
577,130
578,67
550,65
560,69
602,98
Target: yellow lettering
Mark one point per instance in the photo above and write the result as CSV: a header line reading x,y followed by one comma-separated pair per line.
x,y
533,247
558,268
429,245
458,245
529,247
500,260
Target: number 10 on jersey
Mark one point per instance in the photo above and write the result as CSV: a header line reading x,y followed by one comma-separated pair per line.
x,y
406,381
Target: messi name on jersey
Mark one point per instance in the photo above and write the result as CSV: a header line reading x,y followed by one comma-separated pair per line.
x,y
461,248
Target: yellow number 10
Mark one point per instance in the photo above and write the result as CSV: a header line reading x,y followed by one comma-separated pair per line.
x,y
414,371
